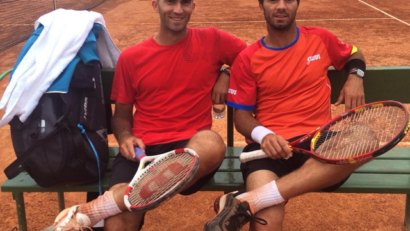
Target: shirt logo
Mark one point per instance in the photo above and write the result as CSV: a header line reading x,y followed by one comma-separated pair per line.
x,y
313,58
232,91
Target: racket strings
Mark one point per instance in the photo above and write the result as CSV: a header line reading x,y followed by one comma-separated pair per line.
x,y
161,176
360,132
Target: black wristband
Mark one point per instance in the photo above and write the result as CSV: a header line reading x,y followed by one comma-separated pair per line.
x,y
355,63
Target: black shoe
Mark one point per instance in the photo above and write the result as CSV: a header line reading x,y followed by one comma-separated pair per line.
x,y
232,214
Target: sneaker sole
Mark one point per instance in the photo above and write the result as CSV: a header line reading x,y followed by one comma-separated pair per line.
x,y
221,201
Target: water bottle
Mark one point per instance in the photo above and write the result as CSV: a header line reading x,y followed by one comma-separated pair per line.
x,y
218,111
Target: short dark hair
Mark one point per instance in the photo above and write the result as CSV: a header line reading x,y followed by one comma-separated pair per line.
x,y
261,1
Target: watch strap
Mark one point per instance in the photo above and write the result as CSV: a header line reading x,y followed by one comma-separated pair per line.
x,y
358,72
225,70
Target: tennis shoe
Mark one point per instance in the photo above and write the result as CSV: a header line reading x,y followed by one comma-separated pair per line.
x,y
72,220
232,214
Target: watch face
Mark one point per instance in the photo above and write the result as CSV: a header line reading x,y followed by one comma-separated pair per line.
x,y
360,73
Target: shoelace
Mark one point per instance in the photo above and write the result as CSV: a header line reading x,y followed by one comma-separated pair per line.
x,y
76,226
236,224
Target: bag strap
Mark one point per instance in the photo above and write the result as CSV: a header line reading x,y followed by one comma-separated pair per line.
x,y
96,156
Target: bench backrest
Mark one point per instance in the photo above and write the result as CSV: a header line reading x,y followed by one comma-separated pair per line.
x,y
381,83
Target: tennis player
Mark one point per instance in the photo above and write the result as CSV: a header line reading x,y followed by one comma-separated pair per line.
x,y
280,90
170,79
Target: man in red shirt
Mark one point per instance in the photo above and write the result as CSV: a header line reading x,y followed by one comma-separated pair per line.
x,y
170,79
280,90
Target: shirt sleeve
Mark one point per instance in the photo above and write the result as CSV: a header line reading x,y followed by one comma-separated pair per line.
x,y
122,90
339,52
242,85
229,46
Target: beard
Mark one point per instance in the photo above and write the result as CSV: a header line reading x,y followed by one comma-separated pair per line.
x,y
280,26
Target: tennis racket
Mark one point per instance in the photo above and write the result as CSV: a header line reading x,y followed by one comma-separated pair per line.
x,y
164,176
356,135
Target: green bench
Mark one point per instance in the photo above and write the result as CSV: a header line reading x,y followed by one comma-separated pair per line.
x,y
389,173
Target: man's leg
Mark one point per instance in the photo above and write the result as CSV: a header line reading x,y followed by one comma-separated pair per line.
x,y
211,151
208,145
88,214
298,175
273,215
312,176
127,221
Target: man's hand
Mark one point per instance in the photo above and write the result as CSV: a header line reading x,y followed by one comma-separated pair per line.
x,y
352,92
127,142
276,147
220,89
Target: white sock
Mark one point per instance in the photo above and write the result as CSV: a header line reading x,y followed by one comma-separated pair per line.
x,y
262,197
102,207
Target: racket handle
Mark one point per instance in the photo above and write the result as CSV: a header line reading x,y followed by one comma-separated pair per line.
x,y
139,154
254,155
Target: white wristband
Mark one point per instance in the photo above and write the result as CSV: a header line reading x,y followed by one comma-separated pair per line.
x,y
259,132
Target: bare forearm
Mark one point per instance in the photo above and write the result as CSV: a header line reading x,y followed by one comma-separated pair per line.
x,y
122,122
245,122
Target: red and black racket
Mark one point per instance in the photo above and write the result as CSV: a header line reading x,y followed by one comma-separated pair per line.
x,y
356,135
164,176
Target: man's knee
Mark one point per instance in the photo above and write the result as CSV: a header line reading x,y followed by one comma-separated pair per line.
x,y
208,136
209,143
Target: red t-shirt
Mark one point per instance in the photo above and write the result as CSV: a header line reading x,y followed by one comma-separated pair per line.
x,y
170,86
288,88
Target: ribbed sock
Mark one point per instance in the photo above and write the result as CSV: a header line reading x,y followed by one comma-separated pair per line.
x,y
262,197
102,207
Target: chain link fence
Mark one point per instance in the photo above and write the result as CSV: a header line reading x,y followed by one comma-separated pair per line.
x,y
17,17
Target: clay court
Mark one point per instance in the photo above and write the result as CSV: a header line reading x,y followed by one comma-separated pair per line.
x,y
381,29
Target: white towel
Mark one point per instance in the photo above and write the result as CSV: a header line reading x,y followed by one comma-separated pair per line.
x,y
62,37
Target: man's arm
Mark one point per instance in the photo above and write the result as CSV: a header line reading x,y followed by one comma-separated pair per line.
x,y
353,90
122,127
275,146
220,89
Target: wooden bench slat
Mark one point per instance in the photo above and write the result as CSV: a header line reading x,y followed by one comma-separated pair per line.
x,y
397,153
386,166
357,183
24,183
376,183
231,181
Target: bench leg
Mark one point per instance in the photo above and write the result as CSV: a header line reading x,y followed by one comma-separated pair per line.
x,y
407,213
61,203
21,211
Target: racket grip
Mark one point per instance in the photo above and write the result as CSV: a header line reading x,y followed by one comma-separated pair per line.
x,y
254,155
139,154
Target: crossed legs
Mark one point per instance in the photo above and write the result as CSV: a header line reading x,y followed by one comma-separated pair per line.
x,y
110,206
211,150
312,176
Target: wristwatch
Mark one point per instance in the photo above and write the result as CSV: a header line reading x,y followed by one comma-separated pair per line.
x,y
358,72
225,70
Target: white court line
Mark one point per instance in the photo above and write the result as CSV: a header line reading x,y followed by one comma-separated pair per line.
x,y
14,24
226,22
298,20
391,16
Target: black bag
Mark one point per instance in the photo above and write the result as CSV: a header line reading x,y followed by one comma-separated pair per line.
x,y
64,140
